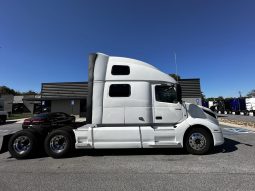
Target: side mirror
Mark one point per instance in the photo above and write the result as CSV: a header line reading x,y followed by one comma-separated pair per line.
x,y
179,93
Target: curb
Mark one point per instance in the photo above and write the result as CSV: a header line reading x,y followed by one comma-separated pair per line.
x,y
19,121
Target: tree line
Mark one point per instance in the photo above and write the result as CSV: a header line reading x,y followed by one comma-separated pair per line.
x,y
7,90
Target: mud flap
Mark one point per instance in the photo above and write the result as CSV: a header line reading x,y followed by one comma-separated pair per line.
x,y
4,143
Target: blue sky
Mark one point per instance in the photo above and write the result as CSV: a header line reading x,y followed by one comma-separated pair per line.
x,y
49,40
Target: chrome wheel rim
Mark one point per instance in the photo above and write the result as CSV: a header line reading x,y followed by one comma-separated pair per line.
x,y
21,144
197,141
58,143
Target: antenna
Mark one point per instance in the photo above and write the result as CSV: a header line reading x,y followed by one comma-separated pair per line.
x,y
176,71
240,93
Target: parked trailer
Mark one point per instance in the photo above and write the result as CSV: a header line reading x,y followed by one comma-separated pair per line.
x,y
250,106
130,104
239,106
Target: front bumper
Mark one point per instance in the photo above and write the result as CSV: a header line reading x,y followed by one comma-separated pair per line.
x,y
218,138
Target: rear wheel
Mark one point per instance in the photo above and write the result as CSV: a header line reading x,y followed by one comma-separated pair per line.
x,y
59,143
198,141
23,144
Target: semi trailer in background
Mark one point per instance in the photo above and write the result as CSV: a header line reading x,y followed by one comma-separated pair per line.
x,y
237,106
250,105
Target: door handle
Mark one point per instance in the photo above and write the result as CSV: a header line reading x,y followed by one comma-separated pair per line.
x,y
141,118
159,117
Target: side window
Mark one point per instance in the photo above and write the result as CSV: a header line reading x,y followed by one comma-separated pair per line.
x,y
120,90
164,93
120,70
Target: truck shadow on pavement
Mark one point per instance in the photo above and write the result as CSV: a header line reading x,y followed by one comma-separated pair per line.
x,y
228,147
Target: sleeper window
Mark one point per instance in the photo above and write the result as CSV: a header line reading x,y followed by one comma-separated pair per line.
x,y
120,70
119,90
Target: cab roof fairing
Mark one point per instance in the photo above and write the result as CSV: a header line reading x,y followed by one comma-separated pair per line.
x,y
139,71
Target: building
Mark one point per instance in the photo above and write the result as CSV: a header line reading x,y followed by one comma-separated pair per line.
x,y
70,97
6,102
191,90
16,104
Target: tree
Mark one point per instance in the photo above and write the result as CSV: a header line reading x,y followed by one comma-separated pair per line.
x,y
220,98
30,92
7,90
210,99
176,77
251,93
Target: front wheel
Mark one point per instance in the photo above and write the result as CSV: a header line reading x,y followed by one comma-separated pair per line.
x,y
198,141
59,143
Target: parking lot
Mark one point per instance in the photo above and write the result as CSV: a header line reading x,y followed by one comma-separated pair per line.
x,y
228,167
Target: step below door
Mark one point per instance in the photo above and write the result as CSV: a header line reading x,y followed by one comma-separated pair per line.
x,y
158,136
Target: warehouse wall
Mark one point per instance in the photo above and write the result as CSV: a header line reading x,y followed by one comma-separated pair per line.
x,y
29,104
65,106
8,99
191,91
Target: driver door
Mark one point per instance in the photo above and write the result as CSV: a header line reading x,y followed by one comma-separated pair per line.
x,y
165,105
166,113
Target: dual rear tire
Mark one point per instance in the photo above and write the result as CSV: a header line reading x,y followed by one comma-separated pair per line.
x,y
29,143
59,143
24,144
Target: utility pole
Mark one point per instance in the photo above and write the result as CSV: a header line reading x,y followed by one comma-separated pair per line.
x,y
240,94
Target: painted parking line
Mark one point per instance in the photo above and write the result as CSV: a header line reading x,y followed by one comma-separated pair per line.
x,y
238,130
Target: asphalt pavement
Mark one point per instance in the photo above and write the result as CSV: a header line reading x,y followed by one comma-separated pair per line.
x,y
228,167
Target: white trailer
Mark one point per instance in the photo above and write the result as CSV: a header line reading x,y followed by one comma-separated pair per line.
x,y
130,104
250,106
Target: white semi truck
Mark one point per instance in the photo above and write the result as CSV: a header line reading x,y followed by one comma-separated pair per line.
x,y
130,104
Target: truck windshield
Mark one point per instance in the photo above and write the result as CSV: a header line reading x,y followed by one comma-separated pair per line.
x,y
165,93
